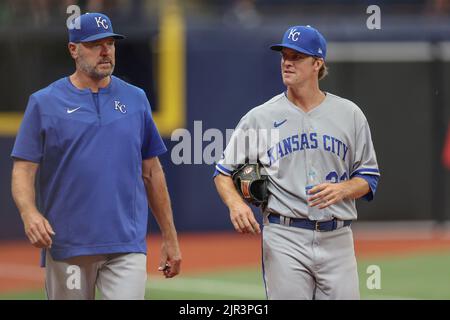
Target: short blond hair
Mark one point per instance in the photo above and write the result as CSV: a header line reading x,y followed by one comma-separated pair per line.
x,y
323,72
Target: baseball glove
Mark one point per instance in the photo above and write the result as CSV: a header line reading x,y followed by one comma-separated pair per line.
x,y
251,185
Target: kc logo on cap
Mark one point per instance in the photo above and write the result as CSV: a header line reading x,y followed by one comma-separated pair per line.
x,y
304,39
93,26
294,34
101,22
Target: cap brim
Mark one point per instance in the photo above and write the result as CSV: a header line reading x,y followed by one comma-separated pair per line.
x,y
103,36
279,47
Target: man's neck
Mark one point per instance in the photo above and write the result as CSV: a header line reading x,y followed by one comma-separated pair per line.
x,y
82,81
305,97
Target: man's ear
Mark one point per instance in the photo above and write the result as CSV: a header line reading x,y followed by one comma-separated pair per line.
x,y
318,64
73,49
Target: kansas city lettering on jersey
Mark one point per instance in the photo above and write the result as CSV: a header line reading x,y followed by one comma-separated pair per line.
x,y
306,141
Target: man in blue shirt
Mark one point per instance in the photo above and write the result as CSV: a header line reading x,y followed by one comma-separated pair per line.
x,y
92,137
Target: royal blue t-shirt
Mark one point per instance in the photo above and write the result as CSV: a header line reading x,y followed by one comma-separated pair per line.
x,y
89,147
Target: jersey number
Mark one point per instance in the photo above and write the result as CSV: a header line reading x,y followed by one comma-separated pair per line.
x,y
333,177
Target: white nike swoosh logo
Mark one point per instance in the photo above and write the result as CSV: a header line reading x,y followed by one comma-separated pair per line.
x,y
73,110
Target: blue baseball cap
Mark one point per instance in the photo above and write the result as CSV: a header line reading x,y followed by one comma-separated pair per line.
x,y
304,39
92,27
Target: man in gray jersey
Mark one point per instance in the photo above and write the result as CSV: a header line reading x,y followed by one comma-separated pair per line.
x,y
321,160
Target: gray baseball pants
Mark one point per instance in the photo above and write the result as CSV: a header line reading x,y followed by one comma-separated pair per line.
x,y
117,277
301,264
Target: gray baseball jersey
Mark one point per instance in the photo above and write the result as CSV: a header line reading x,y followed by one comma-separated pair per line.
x,y
333,141
330,143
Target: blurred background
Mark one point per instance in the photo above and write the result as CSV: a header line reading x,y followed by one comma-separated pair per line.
x,y
209,61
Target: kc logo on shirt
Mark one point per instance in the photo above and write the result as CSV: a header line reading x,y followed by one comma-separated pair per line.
x,y
120,107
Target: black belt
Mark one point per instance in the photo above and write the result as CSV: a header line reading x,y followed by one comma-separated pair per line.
x,y
315,225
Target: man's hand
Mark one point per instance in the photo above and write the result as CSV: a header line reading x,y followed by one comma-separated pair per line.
x,y
241,215
170,259
38,229
243,218
327,194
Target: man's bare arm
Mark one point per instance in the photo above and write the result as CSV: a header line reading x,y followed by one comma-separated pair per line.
x,y
37,228
241,215
159,201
